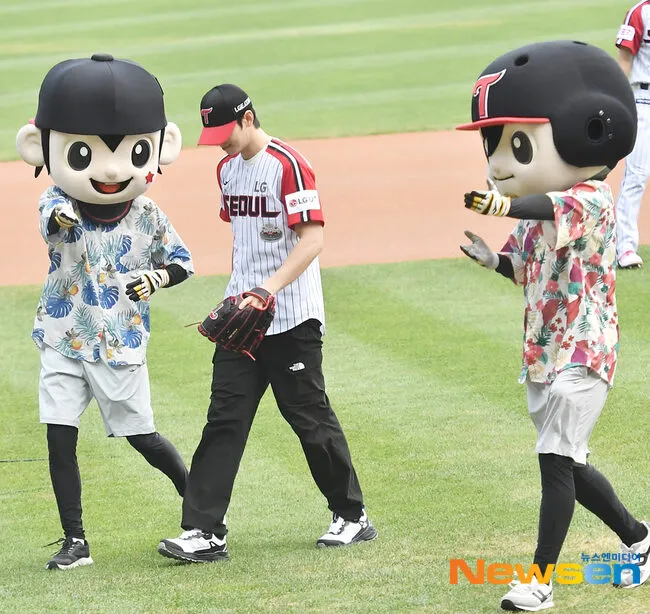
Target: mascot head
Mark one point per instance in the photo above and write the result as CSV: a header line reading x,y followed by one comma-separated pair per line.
x,y
552,114
100,130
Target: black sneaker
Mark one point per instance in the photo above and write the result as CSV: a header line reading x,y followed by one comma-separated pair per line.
x,y
74,552
195,546
346,532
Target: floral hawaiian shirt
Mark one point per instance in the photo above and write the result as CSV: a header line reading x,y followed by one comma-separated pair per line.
x,y
567,268
84,296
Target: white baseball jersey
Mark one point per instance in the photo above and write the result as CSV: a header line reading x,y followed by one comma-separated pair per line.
x,y
634,35
263,198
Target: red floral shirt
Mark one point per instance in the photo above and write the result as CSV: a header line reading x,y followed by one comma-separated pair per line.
x,y
567,268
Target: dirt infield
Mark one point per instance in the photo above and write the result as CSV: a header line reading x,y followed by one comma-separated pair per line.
x,y
386,199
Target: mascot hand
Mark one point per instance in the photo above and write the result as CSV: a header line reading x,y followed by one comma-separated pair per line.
x,y
480,252
491,202
65,216
144,286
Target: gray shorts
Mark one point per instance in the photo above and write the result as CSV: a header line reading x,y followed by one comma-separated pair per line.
x,y
565,412
66,387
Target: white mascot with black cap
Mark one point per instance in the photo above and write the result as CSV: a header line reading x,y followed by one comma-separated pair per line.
x,y
555,118
101,132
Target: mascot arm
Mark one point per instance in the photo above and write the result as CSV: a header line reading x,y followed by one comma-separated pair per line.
x,y
532,207
177,274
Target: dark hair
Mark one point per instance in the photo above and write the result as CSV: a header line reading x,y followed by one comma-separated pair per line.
x,y
256,122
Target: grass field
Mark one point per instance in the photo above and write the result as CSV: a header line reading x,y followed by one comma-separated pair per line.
x,y
421,359
424,383
313,67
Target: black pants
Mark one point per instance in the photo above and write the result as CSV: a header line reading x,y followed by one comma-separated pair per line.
x,y
66,481
292,363
564,483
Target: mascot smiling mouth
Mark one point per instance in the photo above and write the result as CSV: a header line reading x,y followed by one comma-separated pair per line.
x,y
110,188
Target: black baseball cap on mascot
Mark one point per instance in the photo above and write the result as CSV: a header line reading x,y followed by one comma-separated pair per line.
x,y
221,107
578,87
100,96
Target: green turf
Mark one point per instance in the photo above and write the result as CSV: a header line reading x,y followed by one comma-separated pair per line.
x,y
421,361
421,358
314,68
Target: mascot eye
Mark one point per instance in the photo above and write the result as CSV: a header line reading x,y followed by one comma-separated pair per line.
x,y
79,156
141,153
522,148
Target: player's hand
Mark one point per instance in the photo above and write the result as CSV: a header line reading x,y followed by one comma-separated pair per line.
x,y
254,300
65,216
479,251
490,202
145,285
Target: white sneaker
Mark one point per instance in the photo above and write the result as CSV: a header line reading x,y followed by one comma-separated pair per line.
x,y
531,597
630,260
345,532
642,560
195,546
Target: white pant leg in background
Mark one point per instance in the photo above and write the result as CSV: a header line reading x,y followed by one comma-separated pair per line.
x,y
637,169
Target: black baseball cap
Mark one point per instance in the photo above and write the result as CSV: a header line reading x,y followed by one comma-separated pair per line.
x,y
100,95
221,107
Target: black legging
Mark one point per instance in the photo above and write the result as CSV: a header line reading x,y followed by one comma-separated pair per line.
x,y
563,483
66,481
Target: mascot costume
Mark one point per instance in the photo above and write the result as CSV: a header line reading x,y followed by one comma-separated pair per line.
x,y
555,118
101,132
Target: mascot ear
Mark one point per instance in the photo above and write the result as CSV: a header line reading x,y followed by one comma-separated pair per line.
x,y
29,146
172,143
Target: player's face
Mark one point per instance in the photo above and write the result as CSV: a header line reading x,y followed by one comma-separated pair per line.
x,y
85,168
235,143
523,160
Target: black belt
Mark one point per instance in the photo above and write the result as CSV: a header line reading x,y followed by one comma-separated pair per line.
x,y
644,86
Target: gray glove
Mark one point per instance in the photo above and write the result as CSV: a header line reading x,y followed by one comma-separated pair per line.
x,y
480,252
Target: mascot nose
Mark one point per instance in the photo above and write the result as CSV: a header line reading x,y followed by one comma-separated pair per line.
x,y
111,172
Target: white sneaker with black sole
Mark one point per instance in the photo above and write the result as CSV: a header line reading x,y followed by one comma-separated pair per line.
x,y
74,552
346,532
531,597
195,546
641,553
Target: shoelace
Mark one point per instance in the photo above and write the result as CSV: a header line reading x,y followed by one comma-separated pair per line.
x,y
194,533
337,526
519,587
66,548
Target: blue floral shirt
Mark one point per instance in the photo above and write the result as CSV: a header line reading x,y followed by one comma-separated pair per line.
x,y
84,297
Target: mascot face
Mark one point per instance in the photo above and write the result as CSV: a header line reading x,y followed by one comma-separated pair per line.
x,y
523,160
552,114
89,170
102,121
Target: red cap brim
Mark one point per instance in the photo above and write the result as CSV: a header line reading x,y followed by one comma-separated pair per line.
x,y
499,121
216,135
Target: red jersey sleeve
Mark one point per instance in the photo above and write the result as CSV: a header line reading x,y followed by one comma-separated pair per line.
x,y
224,213
298,191
630,34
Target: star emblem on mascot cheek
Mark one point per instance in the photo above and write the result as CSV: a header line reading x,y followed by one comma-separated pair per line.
x,y
149,177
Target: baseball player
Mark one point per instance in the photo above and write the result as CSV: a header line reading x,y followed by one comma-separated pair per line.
x,y
269,197
633,42
554,118
101,132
